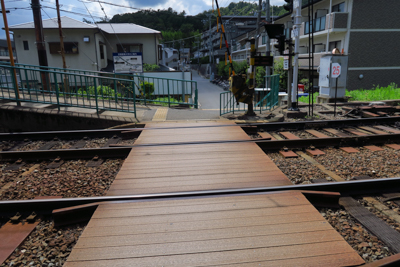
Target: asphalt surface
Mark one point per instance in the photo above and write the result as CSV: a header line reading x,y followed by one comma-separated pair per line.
x,y
208,93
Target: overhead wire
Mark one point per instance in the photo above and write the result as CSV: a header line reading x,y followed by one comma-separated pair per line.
x,y
116,35
72,12
105,38
74,7
63,33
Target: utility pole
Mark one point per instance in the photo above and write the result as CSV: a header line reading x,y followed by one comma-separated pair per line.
x,y
61,35
41,48
267,40
66,83
258,22
257,36
10,52
209,41
198,52
296,34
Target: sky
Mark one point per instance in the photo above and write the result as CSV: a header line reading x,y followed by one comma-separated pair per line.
x,y
20,11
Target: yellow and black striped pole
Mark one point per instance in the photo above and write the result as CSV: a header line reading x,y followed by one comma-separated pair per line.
x,y
250,110
226,41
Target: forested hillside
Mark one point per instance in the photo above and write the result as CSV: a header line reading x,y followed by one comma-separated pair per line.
x,y
175,26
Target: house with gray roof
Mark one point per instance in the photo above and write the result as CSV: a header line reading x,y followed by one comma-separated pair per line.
x,y
87,46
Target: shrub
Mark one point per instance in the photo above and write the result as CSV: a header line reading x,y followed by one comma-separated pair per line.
x,y
146,89
150,67
102,90
278,69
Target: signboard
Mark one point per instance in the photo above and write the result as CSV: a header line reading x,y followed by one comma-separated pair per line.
x,y
263,61
286,64
336,70
286,52
128,62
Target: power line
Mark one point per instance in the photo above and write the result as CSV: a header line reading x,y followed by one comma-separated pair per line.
x,y
65,35
122,47
71,7
112,4
72,12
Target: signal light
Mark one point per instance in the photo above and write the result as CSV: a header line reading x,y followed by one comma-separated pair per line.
x,y
281,44
289,6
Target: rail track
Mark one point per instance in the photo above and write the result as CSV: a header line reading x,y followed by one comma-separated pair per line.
x,y
26,157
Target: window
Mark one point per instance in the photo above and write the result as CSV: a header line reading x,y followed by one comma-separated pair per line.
x,y
263,41
69,48
26,45
338,7
336,44
129,48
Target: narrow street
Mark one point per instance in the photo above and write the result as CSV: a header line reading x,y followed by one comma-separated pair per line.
x,y
208,93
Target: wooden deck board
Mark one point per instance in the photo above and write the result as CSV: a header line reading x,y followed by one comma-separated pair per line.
x,y
334,248
272,229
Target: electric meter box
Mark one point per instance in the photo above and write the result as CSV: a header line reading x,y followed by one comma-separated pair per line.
x,y
327,84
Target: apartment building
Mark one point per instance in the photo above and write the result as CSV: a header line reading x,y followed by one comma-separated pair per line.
x,y
234,26
4,55
365,30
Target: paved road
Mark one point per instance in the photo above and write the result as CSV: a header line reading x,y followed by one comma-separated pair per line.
x,y
208,92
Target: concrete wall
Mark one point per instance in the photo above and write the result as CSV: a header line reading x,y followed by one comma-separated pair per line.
x,y
33,120
371,78
373,14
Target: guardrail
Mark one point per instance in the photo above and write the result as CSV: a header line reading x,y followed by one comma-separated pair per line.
x,y
67,89
264,98
91,89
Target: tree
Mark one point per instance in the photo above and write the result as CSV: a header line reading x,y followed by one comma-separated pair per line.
x,y
87,21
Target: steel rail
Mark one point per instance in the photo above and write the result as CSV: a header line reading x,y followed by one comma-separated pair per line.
x,y
268,144
297,125
375,139
265,144
268,126
357,187
114,151
84,153
47,135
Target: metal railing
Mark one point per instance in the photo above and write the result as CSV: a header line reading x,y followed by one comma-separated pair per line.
x,y
59,86
67,89
264,98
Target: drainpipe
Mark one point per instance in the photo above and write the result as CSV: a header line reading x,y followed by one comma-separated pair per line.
x,y
95,50
329,26
156,47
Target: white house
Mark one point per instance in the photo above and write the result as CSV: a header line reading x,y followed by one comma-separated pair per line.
x,y
87,46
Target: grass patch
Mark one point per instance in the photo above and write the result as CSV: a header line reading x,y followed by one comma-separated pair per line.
x,y
379,93
306,99
163,101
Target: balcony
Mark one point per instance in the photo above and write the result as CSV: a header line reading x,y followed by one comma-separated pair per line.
x,y
336,21
6,54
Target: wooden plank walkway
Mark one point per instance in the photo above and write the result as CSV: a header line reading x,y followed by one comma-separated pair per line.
x,y
278,229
